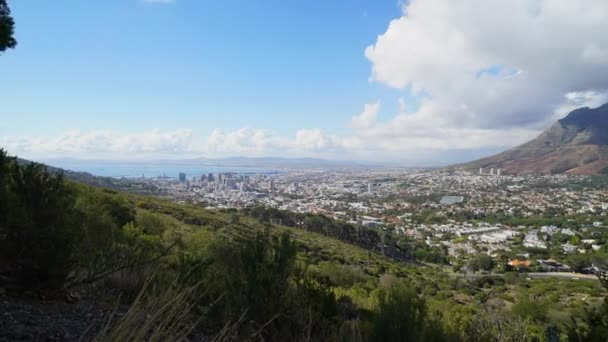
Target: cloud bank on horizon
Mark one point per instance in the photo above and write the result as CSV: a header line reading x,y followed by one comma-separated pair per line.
x,y
489,75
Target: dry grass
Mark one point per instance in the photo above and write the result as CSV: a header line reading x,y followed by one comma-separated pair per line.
x,y
154,315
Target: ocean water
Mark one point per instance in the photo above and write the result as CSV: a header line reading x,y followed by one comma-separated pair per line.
x,y
133,170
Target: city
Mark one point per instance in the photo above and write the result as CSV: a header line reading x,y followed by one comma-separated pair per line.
x,y
462,213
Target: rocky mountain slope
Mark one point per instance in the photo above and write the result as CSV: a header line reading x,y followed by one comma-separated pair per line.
x,y
576,144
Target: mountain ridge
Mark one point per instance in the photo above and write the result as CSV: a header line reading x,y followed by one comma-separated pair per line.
x,y
576,144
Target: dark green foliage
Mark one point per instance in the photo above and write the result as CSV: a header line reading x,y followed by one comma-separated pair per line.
x,y
488,281
7,27
481,262
402,316
527,309
590,325
54,233
358,235
40,230
258,279
579,262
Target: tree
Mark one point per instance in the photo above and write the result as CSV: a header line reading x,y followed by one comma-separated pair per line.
x,y
483,262
7,28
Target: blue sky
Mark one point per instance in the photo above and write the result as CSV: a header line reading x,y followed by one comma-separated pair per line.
x,y
130,64
417,82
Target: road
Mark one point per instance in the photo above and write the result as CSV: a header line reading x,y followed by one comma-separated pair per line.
x,y
533,275
567,275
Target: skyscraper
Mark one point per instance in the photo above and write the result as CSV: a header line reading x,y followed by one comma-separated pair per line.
x,y
182,177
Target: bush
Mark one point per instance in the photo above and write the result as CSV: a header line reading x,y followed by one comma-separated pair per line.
x,y
40,228
258,279
527,309
402,315
342,275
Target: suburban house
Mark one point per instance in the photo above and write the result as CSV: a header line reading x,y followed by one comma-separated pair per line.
x,y
551,265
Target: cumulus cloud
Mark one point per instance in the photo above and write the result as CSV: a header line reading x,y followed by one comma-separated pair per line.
x,y
367,117
102,143
248,141
495,64
406,137
177,143
423,130
260,142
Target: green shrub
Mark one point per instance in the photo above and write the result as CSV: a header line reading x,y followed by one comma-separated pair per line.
x,y
41,232
402,315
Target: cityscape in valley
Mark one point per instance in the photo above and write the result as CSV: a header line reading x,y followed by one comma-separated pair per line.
x,y
531,218
270,171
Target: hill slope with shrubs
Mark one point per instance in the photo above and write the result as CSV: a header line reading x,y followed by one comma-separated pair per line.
x,y
166,271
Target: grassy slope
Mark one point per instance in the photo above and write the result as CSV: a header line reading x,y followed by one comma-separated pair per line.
x,y
316,249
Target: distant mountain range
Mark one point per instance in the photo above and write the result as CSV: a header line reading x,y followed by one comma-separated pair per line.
x,y
97,181
576,144
262,162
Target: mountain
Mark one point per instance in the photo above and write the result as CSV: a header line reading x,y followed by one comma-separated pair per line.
x,y
262,162
576,144
119,184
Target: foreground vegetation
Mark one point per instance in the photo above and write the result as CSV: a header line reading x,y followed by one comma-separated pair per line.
x,y
226,275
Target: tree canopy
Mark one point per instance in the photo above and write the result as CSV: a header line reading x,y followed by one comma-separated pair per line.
x,y
7,28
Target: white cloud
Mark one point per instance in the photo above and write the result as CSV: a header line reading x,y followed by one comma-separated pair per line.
x,y
578,99
406,137
316,140
425,131
537,52
99,143
244,141
368,117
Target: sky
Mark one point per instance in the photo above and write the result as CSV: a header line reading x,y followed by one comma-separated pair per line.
x,y
422,82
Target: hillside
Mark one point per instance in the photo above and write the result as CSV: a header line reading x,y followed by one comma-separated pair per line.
x,y
85,263
576,144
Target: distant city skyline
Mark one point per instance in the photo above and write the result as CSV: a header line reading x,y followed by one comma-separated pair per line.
x,y
416,82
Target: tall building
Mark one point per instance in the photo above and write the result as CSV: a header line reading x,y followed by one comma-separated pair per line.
x,y
498,172
210,177
182,177
481,170
370,188
491,171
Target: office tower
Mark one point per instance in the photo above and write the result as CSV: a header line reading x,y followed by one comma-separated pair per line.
x,y
182,177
